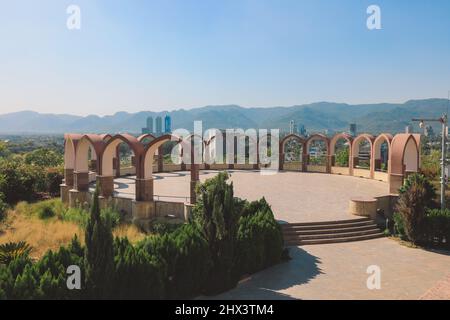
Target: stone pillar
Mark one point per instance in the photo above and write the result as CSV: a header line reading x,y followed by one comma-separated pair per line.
x,y
355,161
377,164
106,186
93,165
195,177
395,182
144,189
333,160
160,159
117,161
68,177
330,160
81,181
64,191
305,162
78,198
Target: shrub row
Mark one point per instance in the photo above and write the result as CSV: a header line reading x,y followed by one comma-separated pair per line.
x,y
226,239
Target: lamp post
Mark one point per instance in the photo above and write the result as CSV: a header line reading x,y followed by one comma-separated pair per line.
x,y
443,120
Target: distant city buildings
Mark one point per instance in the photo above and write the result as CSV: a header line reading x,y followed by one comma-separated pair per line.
x,y
409,129
157,128
353,132
294,128
158,125
429,132
167,124
302,131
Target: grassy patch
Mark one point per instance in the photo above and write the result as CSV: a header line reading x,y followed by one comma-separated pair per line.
x,y
50,224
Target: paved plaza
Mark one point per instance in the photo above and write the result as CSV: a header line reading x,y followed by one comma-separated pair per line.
x,y
328,271
294,196
338,271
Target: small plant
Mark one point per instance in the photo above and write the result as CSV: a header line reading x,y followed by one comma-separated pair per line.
x,y
399,228
3,208
13,250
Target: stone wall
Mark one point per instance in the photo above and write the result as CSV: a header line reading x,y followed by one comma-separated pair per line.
x,y
363,173
292,166
340,170
315,168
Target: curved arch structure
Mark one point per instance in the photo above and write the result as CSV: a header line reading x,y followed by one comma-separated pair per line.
x,y
403,158
362,172
333,141
284,141
307,153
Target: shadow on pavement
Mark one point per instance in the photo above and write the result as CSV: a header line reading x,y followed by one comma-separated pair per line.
x,y
301,269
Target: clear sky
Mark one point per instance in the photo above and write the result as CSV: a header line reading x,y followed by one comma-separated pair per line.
x,y
156,55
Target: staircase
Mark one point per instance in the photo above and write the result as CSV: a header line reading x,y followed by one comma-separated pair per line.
x,y
296,234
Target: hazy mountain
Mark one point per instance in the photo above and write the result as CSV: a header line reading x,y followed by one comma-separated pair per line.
x,y
318,116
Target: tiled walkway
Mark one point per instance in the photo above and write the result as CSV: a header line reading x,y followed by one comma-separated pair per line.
x,y
339,271
294,196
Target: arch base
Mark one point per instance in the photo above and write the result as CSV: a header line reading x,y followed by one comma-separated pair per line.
x,y
64,192
106,186
68,177
144,189
78,198
395,182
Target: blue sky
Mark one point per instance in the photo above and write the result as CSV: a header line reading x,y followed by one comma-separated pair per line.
x,y
158,55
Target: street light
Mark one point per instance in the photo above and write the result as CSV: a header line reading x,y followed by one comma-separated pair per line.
x,y
443,120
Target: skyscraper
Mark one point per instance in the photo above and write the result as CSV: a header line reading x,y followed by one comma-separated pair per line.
x,y
353,129
167,124
150,124
149,127
158,125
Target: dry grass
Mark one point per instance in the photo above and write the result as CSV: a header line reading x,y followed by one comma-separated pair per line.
x,y
41,235
50,234
130,231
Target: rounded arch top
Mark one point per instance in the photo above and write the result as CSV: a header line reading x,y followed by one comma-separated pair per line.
x,y
144,136
337,137
405,148
317,136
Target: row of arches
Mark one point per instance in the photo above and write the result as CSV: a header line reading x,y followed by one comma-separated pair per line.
x,y
101,154
364,155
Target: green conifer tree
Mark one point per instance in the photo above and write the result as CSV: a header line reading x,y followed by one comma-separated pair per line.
x,y
99,253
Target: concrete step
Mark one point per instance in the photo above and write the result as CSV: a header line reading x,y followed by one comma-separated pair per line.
x,y
325,222
301,232
331,235
327,226
330,231
299,242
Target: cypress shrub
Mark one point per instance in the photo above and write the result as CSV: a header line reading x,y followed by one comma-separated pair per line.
x,y
99,253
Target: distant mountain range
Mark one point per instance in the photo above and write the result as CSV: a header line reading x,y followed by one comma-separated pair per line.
x,y
320,116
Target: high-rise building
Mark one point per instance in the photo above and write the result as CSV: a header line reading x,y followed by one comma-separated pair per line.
x,y
158,125
409,129
291,126
302,130
167,124
353,129
149,127
150,124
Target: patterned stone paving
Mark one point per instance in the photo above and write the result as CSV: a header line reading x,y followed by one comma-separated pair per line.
x,y
294,196
339,271
441,291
